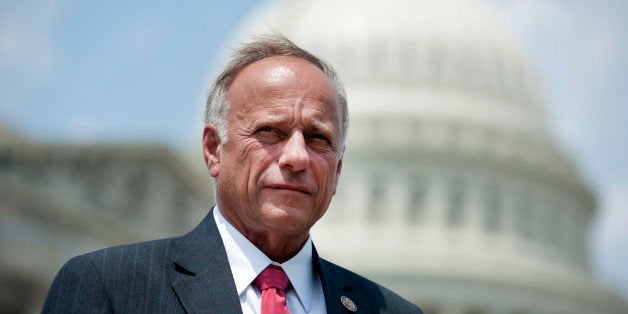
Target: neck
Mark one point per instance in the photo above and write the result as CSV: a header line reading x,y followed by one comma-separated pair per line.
x,y
277,245
278,248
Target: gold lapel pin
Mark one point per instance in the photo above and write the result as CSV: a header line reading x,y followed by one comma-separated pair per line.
x,y
348,303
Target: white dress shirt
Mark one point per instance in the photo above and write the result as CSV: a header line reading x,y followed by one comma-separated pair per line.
x,y
305,293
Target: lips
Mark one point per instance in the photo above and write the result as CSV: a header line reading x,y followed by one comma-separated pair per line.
x,y
290,187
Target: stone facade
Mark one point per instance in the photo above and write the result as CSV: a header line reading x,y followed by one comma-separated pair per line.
x,y
59,201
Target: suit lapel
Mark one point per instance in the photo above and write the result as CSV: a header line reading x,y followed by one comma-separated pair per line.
x,y
202,277
335,288
203,282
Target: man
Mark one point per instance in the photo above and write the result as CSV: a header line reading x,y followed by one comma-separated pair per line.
x,y
276,121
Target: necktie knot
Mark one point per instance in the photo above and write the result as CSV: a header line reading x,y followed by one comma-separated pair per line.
x,y
272,277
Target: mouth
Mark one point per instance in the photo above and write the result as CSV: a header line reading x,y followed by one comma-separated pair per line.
x,y
290,187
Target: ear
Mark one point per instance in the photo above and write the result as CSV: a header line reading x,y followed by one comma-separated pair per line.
x,y
211,149
339,169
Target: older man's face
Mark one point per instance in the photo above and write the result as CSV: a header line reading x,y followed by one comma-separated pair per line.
x,y
279,168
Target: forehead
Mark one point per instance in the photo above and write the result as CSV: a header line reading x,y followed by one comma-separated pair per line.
x,y
282,76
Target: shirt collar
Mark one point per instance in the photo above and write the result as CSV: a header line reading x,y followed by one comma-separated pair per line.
x,y
247,261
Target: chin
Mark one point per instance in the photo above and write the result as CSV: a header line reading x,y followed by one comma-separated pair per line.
x,y
282,216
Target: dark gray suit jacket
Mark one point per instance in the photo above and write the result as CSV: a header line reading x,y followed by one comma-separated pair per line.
x,y
190,274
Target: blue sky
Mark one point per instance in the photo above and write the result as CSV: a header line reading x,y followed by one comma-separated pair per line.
x,y
129,71
109,70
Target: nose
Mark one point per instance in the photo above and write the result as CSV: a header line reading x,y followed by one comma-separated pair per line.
x,y
294,154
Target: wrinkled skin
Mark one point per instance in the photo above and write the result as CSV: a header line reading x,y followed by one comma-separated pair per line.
x,y
279,168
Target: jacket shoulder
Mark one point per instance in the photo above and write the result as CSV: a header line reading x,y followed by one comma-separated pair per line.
x,y
77,288
385,300
112,278
129,255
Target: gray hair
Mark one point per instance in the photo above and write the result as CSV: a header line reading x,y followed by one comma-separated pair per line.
x,y
262,47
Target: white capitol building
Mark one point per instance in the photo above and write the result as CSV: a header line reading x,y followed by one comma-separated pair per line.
x,y
453,192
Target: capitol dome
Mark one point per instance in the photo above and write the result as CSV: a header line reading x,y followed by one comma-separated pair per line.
x,y
453,192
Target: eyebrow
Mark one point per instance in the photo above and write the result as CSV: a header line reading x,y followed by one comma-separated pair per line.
x,y
322,127
314,125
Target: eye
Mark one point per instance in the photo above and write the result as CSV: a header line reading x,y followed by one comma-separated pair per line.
x,y
320,138
268,135
265,129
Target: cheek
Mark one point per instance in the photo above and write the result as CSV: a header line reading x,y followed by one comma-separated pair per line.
x,y
258,164
246,151
327,173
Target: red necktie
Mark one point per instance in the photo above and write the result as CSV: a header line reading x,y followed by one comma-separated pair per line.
x,y
273,281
